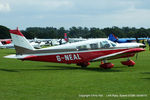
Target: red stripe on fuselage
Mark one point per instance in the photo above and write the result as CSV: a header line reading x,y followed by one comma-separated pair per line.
x,y
17,32
82,56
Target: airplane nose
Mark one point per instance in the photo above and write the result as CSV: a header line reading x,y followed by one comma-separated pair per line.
x,y
142,46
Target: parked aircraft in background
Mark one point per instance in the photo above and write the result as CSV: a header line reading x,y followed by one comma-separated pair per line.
x,y
5,41
80,53
113,38
55,42
36,45
10,45
72,40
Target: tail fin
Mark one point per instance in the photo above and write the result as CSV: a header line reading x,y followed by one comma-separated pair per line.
x,y
65,37
112,37
21,44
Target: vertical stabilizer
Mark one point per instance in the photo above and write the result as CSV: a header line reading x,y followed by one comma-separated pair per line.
x,y
65,37
112,37
21,44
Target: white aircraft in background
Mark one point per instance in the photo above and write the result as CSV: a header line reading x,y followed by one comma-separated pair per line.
x,y
80,53
10,45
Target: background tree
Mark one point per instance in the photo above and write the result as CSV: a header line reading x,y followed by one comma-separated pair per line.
x,y
96,33
4,32
61,32
76,32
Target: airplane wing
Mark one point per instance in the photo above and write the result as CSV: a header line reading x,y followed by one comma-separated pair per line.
x,y
122,54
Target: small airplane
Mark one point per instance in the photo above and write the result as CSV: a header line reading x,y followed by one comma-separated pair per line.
x,y
10,45
71,40
5,41
80,53
113,38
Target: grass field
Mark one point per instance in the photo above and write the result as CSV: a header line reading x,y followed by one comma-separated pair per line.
x,y
29,80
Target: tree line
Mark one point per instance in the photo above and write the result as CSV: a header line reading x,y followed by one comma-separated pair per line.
x,y
76,32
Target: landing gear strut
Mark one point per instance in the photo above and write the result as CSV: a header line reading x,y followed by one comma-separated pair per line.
x,y
128,62
106,65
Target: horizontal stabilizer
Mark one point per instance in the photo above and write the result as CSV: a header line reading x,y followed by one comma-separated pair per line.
x,y
16,56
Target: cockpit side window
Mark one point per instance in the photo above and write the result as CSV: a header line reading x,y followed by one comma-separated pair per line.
x,y
82,47
104,44
94,46
101,45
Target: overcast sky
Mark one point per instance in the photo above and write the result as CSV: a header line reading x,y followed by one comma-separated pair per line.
x,y
68,13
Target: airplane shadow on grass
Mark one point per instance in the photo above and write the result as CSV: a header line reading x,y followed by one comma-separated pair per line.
x,y
145,73
145,78
50,68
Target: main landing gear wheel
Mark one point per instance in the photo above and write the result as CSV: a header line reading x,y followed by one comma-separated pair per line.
x,y
83,65
129,63
107,65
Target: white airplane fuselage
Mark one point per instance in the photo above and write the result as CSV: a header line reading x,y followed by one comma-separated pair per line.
x,y
80,53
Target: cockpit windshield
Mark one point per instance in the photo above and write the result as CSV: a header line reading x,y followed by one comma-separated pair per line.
x,y
104,44
113,44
